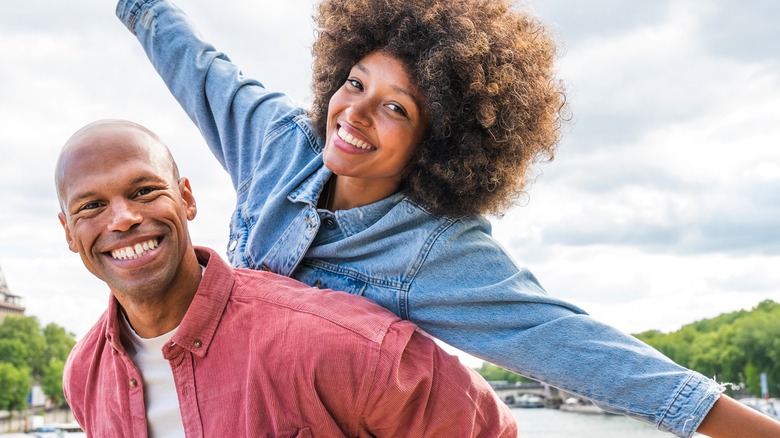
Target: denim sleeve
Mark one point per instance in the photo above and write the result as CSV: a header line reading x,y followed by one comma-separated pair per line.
x,y
236,115
487,306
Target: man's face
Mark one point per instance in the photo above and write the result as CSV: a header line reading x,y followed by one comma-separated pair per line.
x,y
124,212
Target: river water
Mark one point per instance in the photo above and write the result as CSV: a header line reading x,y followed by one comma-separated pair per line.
x,y
552,423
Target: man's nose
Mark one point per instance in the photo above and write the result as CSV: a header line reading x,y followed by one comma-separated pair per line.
x,y
123,216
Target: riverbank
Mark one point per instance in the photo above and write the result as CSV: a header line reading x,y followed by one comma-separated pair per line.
x,y
26,421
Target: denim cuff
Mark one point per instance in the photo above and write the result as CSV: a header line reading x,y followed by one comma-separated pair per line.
x,y
690,405
129,11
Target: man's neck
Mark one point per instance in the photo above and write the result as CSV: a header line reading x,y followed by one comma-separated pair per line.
x,y
164,311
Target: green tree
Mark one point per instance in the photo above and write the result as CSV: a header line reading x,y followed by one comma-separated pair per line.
x,y
40,353
15,385
27,330
52,382
14,352
733,347
494,373
58,342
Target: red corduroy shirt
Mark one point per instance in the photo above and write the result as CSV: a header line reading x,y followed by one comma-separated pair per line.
x,y
258,354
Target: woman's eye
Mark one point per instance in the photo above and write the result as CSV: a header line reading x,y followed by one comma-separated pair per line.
x,y
397,108
355,83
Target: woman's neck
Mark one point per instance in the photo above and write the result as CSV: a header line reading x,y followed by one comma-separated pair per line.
x,y
344,193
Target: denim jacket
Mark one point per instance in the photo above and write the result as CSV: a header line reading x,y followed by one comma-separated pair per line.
x,y
446,274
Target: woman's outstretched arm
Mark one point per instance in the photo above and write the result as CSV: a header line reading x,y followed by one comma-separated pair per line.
x,y
730,419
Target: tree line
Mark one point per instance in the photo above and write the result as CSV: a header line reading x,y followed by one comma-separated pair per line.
x,y
31,355
734,347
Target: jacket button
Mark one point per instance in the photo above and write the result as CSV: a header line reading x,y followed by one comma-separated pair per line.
x,y
198,343
133,383
330,223
233,244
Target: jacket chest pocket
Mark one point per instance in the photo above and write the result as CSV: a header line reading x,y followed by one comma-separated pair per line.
x,y
327,279
331,278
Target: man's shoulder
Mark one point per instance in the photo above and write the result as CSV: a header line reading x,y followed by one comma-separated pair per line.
x,y
340,311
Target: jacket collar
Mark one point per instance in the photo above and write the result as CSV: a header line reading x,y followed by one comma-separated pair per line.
x,y
351,221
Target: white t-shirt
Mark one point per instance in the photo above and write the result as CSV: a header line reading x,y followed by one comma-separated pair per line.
x,y
163,417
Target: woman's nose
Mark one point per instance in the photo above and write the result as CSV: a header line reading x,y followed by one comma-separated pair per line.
x,y
359,112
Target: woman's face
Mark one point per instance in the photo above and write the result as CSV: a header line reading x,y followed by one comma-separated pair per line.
x,y
375,122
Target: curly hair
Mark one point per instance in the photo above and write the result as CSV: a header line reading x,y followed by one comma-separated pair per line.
x,y
486,73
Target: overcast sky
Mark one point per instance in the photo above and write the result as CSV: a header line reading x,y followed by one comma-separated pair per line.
x,y
662,206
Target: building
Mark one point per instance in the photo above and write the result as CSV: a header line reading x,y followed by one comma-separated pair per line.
x,y
9,304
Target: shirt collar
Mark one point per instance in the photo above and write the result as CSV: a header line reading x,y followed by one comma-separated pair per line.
x,y
200,323
196,330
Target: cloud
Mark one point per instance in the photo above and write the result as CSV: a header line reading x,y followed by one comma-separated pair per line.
x,y
746,31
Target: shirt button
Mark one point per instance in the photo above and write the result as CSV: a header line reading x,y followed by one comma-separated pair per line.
x,y
233,244
198,343
330,223
133,383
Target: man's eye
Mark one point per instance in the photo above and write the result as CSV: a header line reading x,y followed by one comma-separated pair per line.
x,y
145,191
88,206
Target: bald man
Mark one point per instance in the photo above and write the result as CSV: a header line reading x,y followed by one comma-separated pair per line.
x,y
192,347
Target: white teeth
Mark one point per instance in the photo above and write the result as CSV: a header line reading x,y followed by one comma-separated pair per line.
x,y
135,251
346,136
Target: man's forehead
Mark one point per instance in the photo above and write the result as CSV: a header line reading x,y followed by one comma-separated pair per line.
x,y
111,144
91,164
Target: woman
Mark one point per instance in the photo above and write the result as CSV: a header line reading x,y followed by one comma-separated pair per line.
x,y
426,116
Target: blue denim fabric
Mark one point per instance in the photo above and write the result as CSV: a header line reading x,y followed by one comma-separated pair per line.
x,y
448,275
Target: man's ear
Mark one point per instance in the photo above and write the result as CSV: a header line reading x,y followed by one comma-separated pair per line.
x,y
68,237
188,198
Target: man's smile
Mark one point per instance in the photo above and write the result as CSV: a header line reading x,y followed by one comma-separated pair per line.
x,y
134,251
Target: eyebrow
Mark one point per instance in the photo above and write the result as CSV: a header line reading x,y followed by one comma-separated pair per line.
x,y
397,88
90,194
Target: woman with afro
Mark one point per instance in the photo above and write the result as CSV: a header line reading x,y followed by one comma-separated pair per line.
x,y
427,116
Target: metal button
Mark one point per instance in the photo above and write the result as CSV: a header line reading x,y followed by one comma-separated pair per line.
x,y
233,244
198,343
330,223
133,383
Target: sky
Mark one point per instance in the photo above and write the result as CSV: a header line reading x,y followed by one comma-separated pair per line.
x,y
661,207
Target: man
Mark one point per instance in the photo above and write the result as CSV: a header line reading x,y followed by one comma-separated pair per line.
x,y
190,346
